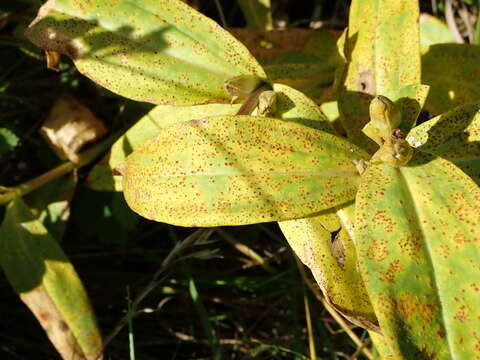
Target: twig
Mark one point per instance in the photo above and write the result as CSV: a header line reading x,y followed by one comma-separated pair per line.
x,y
360,349
331,310
251,101
452,25
465,16
245,250
434,7
220,12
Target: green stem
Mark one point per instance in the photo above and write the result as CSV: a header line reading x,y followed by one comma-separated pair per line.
x,y
85,158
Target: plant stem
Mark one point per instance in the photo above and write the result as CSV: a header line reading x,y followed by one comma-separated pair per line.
x,y
220,12
85,158
251,101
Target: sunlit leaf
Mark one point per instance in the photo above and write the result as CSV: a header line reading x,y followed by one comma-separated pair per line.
x,y
417,236
326,248
433,31
47,283
231,170
292,105
51,204
158,51
382,50
101,177
454,136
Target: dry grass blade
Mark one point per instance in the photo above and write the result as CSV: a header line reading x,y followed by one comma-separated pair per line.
x,y
332,311
311,340
245,250
197,238
452,25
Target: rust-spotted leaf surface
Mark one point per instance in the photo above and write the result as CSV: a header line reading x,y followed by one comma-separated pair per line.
x,y
417,234
453,74
232,170
47,283
158,51
293,105
383,54
327,249
101,177
454,136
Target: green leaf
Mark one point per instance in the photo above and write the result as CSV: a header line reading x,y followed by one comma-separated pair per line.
x,y
409,100
162,116
433,31
51,204
416,233
451,70
293,105
158,51
454,136
8,140
382,50
46,281
258,14
231,170
324,245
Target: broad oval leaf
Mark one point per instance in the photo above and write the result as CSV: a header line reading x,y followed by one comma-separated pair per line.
x,y
101,177
382,52
325,247
158,51
454,136
292,105
451,70
47,283
417,234
232,170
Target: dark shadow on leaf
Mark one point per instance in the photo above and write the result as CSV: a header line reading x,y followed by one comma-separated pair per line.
x,y
449,135
451,70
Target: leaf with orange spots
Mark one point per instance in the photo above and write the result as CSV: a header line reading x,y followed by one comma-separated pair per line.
x,y
324,246
383,55
292,105
47,283
451,70
417,235
101,177
455,136
232,170
158,51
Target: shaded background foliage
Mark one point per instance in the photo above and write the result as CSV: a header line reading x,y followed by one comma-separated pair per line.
x,y
255,312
